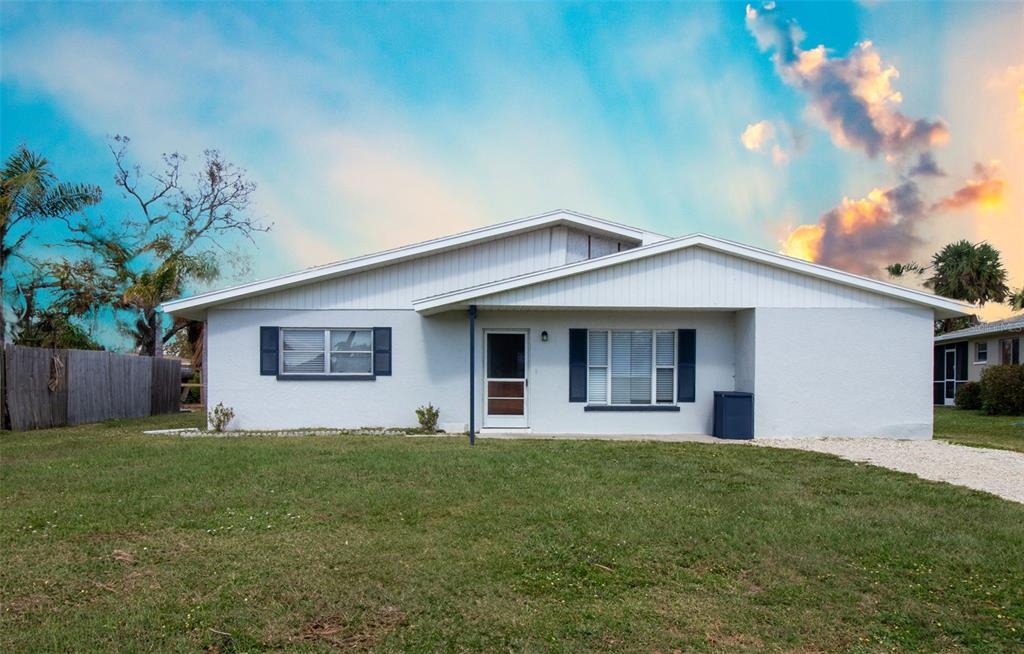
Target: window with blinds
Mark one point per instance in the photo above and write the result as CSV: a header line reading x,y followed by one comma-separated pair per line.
x,y
631,366
327,351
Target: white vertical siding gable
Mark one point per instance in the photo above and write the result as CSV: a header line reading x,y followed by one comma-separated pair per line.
x,y
692,277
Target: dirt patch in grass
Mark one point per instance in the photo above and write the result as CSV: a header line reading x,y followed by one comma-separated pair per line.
x,y
375,626
17,608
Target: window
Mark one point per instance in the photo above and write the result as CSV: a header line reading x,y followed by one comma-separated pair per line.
x,y
327,351
631,367
1009,350
980,352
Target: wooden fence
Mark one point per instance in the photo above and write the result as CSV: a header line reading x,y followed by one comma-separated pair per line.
x,y
53,388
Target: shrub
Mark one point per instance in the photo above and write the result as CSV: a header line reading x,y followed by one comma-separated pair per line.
x,y
1002,390
221,416
968,396
428,416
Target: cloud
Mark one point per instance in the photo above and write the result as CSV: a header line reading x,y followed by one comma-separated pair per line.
x,y
757,134
985,190
854,95
342,165
862,236
764,136
926,166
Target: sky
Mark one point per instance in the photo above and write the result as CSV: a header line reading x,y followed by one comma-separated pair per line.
x,y
852,134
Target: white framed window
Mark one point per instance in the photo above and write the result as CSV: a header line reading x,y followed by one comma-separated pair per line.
x,y
634,366
980,352
326,351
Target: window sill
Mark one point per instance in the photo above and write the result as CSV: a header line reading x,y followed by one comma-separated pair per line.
x,y
980,363
281,377
631,407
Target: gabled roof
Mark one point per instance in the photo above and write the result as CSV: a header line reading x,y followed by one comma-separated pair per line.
x,y
1007,325
453,299
193,306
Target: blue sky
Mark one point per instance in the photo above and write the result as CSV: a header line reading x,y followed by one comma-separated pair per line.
x,y
370,126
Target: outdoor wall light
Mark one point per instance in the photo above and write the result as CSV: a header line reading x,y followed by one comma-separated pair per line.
x,y
544,336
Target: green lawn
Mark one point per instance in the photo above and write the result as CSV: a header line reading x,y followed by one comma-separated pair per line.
x,y
114,541
974,428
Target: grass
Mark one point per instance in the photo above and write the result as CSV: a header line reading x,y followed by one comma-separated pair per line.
x,y
974,428
114,541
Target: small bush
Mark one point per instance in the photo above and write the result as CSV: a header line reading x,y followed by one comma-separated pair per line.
x,y
428,415
968,396
1002,390
221,416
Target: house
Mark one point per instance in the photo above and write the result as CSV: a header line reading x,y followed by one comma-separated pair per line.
x,y
961,356
567,323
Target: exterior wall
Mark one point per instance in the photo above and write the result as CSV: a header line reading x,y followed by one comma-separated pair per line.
x,y
975,368
843,372
693,277
746,350
397,285
549,408
430,364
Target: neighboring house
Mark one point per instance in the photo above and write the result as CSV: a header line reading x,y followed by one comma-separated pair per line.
x,y
961,356
566,323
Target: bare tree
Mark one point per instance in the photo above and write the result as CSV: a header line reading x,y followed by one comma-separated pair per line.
x,y
174,235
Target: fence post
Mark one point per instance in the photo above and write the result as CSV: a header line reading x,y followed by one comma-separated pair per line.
x,y
4,422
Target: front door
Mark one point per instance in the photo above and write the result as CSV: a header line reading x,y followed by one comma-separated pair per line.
x,y
505,383
950,390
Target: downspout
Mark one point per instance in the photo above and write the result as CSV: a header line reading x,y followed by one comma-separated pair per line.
x,y
472,374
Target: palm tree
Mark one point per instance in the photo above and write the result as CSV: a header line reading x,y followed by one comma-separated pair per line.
x,y
967,271
1016,300
150,288
29,194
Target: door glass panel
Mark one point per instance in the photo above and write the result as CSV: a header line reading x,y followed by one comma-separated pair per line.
x,y
505,389
950,389
505,406
506,356
950,364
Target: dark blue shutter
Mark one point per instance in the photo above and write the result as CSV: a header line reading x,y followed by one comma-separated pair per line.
x,y
577,365
686,368
382,351
268,350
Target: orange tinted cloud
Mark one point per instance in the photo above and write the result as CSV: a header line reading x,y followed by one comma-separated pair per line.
x,y
804,242
864,235
986,190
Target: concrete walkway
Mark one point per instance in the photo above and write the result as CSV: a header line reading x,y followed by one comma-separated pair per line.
x,y
665,438
999,472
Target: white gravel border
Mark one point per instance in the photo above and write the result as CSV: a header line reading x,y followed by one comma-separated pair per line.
x,y
1000,472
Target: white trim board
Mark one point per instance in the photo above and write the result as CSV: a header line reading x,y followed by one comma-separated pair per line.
x,y
944,307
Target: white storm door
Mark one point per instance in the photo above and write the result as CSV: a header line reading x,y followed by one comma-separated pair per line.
x,y
505,384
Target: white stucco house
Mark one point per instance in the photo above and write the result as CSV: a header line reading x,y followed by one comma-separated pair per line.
x,y
567,323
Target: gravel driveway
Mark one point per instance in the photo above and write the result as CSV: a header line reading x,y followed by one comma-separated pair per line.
x,y
999,472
